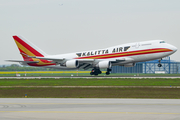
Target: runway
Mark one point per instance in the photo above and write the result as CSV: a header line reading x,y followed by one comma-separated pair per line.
x,y
88,109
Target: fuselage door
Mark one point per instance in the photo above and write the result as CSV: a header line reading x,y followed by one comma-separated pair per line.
x,y
137,45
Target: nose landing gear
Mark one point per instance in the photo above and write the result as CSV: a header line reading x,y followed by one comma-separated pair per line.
x,y
160,65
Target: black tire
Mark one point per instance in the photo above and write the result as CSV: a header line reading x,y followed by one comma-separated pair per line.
x,y
91,73
159,65
107,73
95,73
98,71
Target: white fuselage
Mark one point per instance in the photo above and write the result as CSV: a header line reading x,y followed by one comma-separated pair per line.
x,y
131,52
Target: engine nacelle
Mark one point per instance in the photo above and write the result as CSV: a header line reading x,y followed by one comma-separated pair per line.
x,y
104,64
129,65
72,64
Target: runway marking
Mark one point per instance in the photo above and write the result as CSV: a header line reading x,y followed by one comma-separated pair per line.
x,y
89,112
84,104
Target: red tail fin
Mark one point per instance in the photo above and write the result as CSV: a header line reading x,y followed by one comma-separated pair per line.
x,y
26,48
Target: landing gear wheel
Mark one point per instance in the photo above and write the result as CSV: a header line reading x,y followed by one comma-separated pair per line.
x,y
95,71
91,73
107,73
159,65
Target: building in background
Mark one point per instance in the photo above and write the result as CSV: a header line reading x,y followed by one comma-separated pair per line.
x,y
168,67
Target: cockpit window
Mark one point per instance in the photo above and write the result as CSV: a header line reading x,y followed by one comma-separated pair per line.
x,y
162,42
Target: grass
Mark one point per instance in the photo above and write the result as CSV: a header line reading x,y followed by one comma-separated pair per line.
x,y
166,93
91,82
69,73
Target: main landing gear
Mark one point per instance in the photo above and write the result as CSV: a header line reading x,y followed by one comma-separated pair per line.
x,y
160,65
108,71
96,71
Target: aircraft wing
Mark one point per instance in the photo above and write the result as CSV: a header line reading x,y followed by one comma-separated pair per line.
x,y
60,59
119,60
123,60
83,63
88,63
55,60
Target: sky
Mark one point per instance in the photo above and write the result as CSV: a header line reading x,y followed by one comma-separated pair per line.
x,y
65,26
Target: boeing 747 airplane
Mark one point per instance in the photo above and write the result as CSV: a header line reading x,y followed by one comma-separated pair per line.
x,y
123,55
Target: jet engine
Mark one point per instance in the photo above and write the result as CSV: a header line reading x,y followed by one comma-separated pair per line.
x,y
129,65
72,64
104,64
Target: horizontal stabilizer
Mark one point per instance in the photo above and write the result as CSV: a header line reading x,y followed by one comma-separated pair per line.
x,y
45,58
22,61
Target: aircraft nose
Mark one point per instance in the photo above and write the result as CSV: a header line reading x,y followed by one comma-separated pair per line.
x,y
173,48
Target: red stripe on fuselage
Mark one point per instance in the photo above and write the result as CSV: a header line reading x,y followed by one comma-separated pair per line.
x,y
123,54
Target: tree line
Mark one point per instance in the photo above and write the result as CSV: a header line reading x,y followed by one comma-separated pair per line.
x,y
16,67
